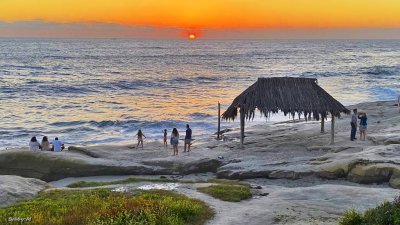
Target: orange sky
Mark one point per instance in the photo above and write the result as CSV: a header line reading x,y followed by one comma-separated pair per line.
x,y
210,14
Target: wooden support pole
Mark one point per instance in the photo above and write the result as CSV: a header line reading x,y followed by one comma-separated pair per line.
x,y
322,124
219,121
242,120
333,130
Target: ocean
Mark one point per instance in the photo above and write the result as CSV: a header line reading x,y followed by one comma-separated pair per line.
x,y
101,91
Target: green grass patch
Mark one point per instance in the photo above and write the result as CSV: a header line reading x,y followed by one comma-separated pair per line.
x,y
81,184
387,213
104,207
230,193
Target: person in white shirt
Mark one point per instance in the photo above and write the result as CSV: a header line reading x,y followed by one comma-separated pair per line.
x,y
58,146
34,144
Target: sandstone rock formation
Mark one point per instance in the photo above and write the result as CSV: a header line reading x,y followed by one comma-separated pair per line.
x,y
14,188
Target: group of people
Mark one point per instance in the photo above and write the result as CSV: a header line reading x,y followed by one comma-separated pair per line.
x,y
362,116
174,140
56,145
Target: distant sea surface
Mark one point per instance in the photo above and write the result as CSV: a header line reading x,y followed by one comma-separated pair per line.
x,y
102,91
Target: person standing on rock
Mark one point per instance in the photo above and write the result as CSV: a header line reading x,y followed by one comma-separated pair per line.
x,y
140,136
188,138
363,125
165,138
175,140
353,125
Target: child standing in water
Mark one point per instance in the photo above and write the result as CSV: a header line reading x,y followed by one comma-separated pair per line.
x,y
165,138
140,136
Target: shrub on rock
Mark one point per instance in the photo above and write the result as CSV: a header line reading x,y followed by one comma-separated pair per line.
x,y
387,213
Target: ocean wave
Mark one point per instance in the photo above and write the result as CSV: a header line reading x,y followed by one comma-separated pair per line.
x,y
62,67
99,124
31,82
126,85
62,74
27,67
190,56
8,90
384,93
381,70
63,90
5,72
180,80
65,124
68,130
58,57
128,125
252,67
200,115
122,128
14,135
207,79
198,79
310,74
152,47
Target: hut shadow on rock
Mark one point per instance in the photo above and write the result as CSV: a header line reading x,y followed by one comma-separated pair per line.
x,y
301,96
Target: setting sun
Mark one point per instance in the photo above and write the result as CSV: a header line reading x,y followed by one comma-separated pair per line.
x,y
192,36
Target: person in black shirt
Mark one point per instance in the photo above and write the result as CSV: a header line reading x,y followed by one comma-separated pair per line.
x,y
188,138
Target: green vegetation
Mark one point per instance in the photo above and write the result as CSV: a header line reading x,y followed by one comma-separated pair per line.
x,y
104,207
387,213
231,193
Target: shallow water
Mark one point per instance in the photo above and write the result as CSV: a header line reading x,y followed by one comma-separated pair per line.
x,y
101,91
166,186
192,177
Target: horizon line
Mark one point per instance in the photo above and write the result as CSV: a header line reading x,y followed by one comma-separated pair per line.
x,y
40,29
185,39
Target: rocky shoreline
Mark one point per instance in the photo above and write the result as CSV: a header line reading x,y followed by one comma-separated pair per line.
x,y
294,151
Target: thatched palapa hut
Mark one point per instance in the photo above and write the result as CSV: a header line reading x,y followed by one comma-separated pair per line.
x,y
301,96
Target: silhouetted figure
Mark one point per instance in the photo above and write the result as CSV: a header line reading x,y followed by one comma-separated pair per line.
x,y
188,138
165,138
353,125
140,136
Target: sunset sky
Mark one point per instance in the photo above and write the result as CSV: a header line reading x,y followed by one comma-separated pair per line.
x,y
171,18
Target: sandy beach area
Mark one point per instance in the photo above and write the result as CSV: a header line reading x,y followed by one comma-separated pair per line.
x,y
303,178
